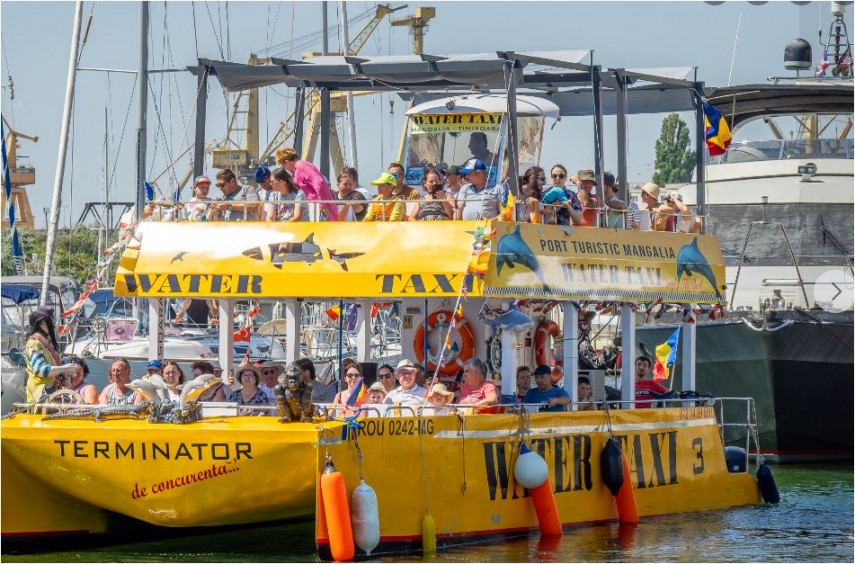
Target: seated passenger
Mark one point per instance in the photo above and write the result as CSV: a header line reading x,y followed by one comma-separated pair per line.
x,y
374,405
523,382
291,204
438,400
475,200
218,392
528,206
678,215
197,208
590,203
354,209
346,405
586,398
85,390
441,204
645,389
270,372
117,391
476,390
266,193
173,375
249,394
407,392
385,206
621,214
561,200
554,398
386,376
321,392
650,219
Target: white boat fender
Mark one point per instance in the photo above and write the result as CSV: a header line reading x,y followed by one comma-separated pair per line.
x,y
611,464
365,516
530,469
766,483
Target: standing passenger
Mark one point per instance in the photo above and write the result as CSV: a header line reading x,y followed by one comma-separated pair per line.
x,y
43,360
309,179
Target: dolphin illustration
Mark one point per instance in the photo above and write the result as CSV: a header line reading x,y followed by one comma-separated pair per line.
x,y
690,259
144,387
513,250
159,385
195,387
511,320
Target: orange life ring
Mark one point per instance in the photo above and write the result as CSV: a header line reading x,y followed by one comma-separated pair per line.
x,y
542,349
441,318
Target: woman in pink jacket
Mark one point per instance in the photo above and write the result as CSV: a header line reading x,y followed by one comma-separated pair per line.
x,y
309,179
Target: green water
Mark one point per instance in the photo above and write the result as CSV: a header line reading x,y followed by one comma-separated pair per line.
x,y
813,523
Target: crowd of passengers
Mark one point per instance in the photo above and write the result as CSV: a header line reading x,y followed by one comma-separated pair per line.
x,y
456,192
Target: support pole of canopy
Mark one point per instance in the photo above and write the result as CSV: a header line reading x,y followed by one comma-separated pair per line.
x,y
570,331
342,314
60,161
513,144
509,363
689,337
627,369
299,117
201,113
363,332
596,84
325,137
292,330
700,154
155,326
226,340
620,98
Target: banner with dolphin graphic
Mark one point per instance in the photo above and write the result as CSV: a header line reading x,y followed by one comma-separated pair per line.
x,y
562,262
394,260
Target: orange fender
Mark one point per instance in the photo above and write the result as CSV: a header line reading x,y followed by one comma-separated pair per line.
x,y
546,509
337,514
626,506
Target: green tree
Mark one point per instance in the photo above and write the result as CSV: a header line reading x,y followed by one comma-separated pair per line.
x,y
674,160
76,253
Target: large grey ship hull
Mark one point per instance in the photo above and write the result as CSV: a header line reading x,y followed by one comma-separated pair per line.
x,y
799,372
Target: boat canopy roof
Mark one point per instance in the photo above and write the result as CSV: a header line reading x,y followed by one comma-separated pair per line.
x,y
487,103
19,293
565,78
743,103
394,260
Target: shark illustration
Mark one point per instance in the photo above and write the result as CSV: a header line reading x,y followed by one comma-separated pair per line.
x,y
691,260
513,250
305,251
179,256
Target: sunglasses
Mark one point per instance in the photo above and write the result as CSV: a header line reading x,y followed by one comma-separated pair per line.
x,y
396,174
385,375
559,176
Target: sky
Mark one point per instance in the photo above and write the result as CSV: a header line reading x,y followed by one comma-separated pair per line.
x,y
36,39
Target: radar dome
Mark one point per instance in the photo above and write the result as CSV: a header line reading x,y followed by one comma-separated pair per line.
x,y
797,55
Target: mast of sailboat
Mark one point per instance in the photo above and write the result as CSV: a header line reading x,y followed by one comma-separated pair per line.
x,y
142,77
63,144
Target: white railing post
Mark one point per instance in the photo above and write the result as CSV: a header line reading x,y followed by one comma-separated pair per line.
x,y
226,339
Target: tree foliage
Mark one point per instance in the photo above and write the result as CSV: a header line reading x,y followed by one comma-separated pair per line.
x,y
675,161
76,254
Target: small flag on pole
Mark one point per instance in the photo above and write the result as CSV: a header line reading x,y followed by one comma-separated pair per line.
x,y
716,130
666,356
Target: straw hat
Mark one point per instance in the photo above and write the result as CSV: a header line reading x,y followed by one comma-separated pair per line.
x,y
442,390
651,188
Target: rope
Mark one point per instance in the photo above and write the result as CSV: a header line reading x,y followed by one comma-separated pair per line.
x,y
214,29
195,33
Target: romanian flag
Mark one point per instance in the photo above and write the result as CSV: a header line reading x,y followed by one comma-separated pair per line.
x,y
716,130
666,356
357,396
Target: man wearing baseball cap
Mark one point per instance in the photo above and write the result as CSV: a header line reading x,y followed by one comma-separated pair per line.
x,y
453,180
263,177
475,200
386,206
545,392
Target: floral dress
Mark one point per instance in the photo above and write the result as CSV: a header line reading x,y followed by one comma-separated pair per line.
x,y
260,398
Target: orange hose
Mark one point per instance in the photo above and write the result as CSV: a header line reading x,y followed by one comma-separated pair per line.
x,y
626,506
337,515
546,510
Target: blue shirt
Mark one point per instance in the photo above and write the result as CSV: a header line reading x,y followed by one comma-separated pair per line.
x,y
536,396
483,204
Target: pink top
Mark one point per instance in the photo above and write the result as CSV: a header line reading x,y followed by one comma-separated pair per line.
x,y
310,180
470,395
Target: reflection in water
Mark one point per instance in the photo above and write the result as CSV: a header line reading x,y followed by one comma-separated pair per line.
x,y
813,522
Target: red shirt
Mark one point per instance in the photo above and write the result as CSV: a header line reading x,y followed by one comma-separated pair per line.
x,y
470,395
643,389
